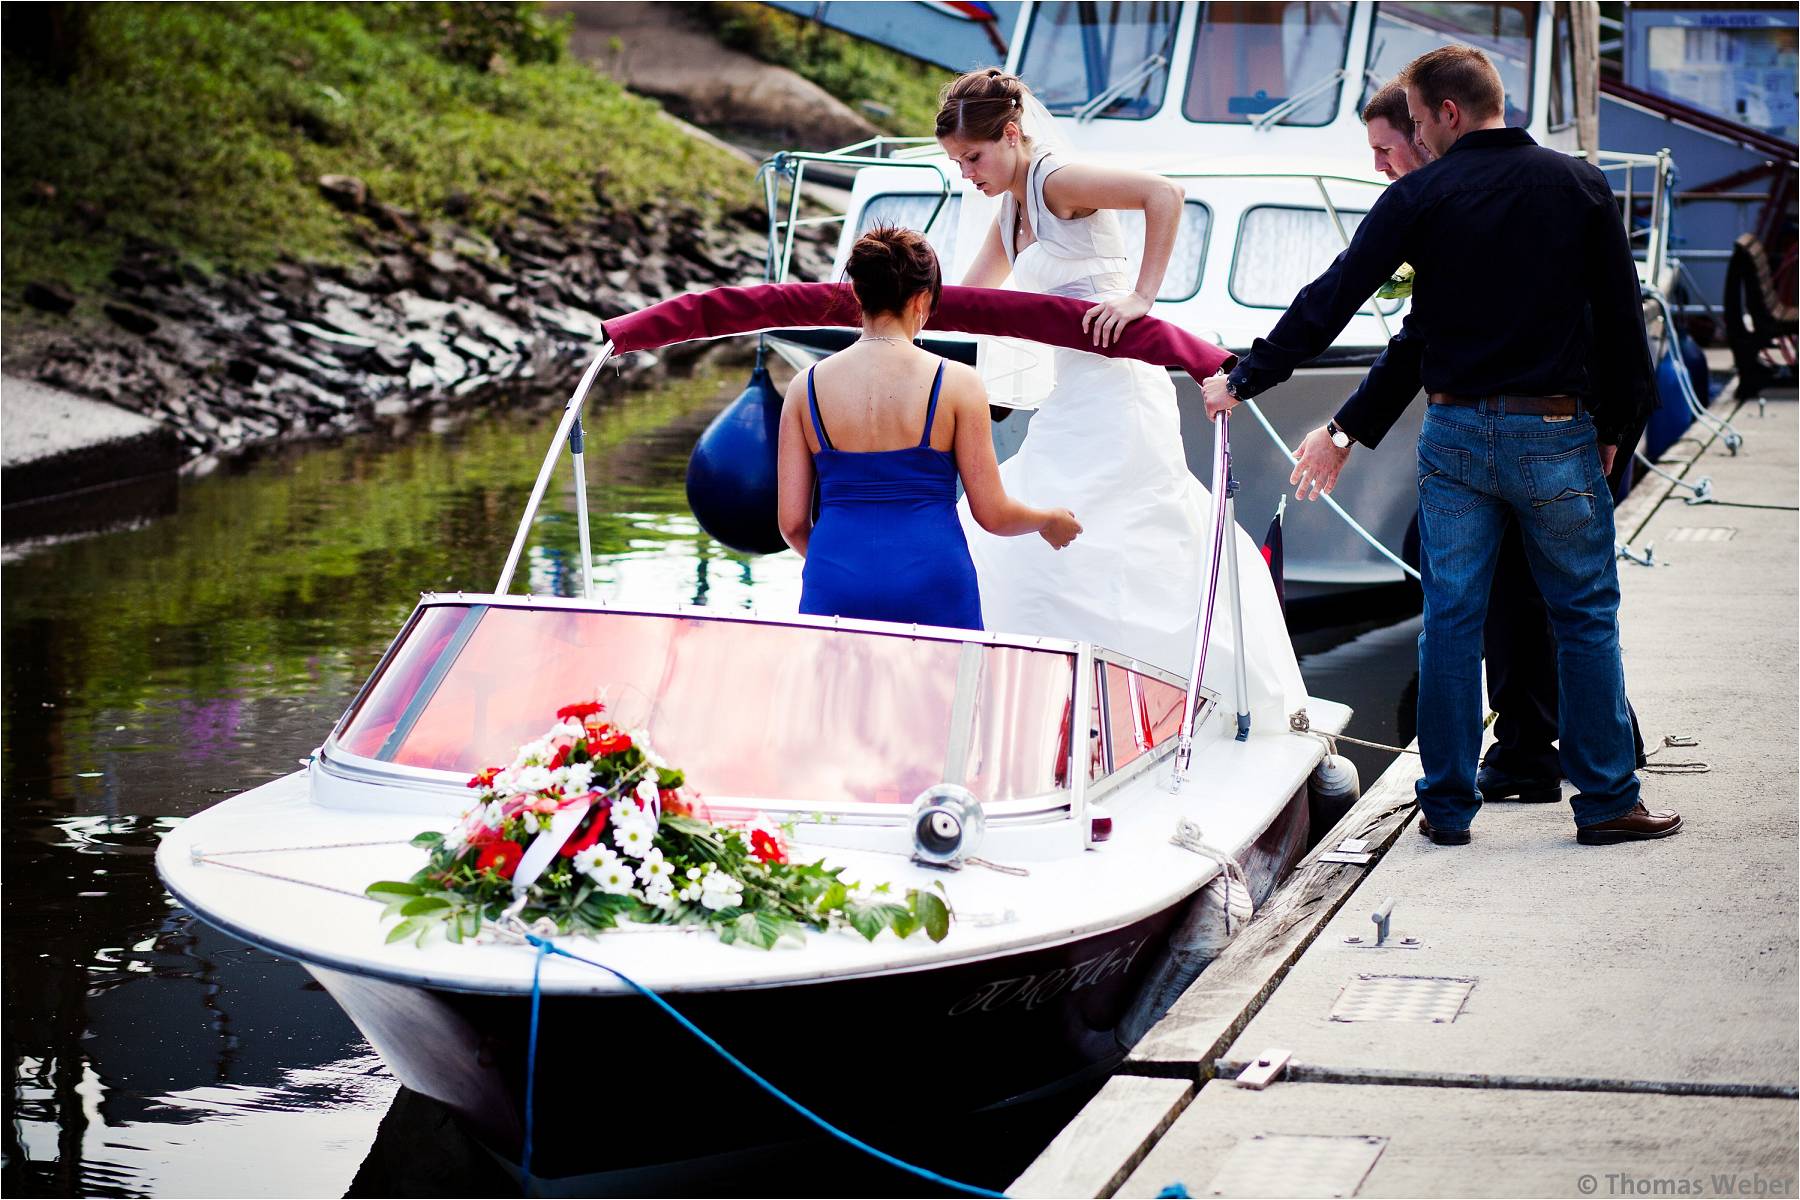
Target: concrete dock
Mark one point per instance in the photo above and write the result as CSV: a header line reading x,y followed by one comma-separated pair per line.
x,y
1568,1020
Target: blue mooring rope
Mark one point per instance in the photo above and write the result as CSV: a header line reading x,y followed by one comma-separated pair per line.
x,y
546,947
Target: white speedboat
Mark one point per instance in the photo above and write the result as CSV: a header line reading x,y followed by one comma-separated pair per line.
x,y
1255,109
1078,871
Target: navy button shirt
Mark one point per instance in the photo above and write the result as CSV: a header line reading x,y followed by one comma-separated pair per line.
x,y
1524,283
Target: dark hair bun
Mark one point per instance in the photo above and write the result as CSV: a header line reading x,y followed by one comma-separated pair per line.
x,y
889,266
978,104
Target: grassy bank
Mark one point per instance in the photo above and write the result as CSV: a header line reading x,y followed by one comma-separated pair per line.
x,y
848,68
205,128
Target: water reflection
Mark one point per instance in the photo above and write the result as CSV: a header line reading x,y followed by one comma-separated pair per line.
x,y
149,671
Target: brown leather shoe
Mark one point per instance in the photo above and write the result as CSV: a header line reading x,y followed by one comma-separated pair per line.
x,y
1640,824
1443,837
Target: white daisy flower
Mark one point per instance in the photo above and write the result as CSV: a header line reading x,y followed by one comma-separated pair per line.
x,y
577,778
614,877
588,861
532,779
721,891
655,870
569,729
648,794
633,836
492,816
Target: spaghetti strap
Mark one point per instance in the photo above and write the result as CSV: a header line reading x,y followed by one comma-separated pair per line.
x,y
937,381
812,402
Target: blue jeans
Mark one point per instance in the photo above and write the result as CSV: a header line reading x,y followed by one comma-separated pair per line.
x,y
1475,465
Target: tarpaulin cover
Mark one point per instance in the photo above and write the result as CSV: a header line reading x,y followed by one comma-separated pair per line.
x,y
1050,320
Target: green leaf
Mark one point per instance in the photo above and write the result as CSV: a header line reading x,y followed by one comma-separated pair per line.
x,y
934,914
870,919
425,904
470,920
402,931
430,838
835,897
392,887
453,929
905,922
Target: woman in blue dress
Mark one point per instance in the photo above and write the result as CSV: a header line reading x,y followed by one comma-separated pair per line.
x,y
887,428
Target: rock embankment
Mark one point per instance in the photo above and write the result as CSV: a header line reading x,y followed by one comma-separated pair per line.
x,y
437,312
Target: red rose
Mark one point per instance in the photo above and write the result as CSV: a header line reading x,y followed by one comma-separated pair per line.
x,y
502,857
483,835
559,758
766,847
579,712
672,803
596,825
484,778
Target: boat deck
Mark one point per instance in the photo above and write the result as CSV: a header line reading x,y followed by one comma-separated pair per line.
x,y
1576,1020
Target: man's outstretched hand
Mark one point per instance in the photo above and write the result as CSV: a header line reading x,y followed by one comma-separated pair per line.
x,y
1218,398
1607,455
1316,471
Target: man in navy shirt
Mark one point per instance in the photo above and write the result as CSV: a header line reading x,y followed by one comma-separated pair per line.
x,y
1523,280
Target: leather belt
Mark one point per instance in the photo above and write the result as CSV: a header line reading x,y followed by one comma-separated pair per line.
x,y
1547,406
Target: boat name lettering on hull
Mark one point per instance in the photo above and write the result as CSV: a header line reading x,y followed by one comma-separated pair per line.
x,y
1033,990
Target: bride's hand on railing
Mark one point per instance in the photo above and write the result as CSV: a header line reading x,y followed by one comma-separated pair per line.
x,y
1108,319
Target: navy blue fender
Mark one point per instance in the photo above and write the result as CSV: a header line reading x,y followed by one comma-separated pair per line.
x,y
731,476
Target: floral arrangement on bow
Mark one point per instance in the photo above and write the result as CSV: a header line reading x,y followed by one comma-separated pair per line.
x,y
1399,285
589,828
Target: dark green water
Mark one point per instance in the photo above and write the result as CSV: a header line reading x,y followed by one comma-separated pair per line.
x,y
151,670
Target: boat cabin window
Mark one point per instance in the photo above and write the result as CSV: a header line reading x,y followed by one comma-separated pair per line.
x,y
758,715
1562,70
1253,58
910,210
1077,53
1280,250
1135,714
1506,33
1182,280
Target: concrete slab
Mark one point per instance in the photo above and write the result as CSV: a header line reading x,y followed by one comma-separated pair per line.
x,y
52,442
1671,962
1463,1142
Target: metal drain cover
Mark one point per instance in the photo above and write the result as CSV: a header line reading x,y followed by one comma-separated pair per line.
x,y
1279,1164
1429,998
1702,533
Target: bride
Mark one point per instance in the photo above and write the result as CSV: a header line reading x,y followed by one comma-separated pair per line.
x,y
1106,440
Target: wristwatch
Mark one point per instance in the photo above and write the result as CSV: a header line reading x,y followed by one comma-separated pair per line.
x,y
1339,438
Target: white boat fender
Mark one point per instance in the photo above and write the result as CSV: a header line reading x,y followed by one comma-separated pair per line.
x,y
1217,913
1335,780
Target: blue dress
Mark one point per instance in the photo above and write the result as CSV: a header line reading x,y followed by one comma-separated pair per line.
x,y
888,545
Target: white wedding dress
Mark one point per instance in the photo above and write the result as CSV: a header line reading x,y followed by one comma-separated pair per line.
x,y
1106,444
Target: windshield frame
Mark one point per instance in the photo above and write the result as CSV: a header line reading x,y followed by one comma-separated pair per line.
x,y
1248,120
1114,112
1532,37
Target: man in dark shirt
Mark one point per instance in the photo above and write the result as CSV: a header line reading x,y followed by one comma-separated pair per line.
x,y
1518,644
1523,278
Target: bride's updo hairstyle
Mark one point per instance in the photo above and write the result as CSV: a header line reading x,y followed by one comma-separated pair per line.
x,y
889,266
976,106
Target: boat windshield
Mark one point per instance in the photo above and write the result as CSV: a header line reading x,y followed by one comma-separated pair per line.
x,y
1253,58
778,716
1076,53
1505,32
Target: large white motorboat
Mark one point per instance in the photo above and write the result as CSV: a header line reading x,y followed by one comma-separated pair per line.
x,y
1255,108
1084,877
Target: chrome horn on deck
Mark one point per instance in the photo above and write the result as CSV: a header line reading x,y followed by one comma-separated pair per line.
x,y
1224,490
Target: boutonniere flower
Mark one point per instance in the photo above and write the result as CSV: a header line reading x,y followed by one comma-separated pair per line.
x,y
1399,285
